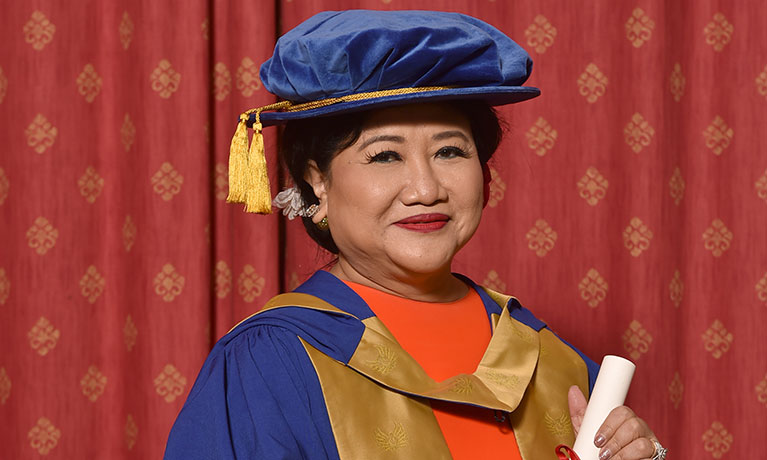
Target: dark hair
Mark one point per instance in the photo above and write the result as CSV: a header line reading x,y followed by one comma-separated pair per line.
x,y
322,138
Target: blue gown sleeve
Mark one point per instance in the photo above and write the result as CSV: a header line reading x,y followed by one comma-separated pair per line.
x,y
257,396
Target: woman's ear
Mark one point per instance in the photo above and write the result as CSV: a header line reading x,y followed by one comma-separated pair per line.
x,y
318,181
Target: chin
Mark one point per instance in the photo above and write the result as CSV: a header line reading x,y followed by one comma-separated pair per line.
x,y
424,262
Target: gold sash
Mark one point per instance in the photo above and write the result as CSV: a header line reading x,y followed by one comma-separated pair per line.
x,y
379,407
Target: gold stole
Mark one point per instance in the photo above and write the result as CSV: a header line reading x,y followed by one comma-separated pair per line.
x,y
379,407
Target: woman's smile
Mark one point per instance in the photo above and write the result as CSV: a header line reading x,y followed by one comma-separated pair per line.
x,y
424,223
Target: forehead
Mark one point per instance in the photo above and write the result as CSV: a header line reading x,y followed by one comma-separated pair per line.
x,y
437,116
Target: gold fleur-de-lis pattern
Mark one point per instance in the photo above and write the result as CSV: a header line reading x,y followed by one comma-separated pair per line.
x,y
647,112
717,339
127,133
718,135
593,288
540,34
676,390
636,340
761,391
41,134
129,232
541,136
497,188
90,184
130,432
493,281
592,187
92,284
676,289
761,289
761,83
165,79
637,237
247,78
541,238
717,440
3,85
93,383
169,383
676,186
125,30
42,236
5,186
638,133
43,336
167,181
221,181
222,81
168,283
5,386
760,185
639,27
130,333
38,31
5,287
250,284
592,83
677,82
89,83
222,279
717,238
718,32
43,436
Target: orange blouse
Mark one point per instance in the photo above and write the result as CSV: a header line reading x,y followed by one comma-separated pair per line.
x,y
447,339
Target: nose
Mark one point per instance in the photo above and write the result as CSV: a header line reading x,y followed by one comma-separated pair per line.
x,y
423,184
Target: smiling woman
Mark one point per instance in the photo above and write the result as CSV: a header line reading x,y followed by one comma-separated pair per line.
x,y
388,354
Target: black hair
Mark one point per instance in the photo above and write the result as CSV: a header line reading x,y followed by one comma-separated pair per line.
x,y
322,138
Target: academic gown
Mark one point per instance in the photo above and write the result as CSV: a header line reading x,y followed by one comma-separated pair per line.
x,y
316,375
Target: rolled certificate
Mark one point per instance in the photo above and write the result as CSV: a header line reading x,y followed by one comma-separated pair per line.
x,y
609,392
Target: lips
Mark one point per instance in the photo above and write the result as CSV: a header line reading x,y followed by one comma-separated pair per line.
x,y
423,223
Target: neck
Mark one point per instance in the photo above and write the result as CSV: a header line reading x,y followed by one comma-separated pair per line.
x,y
441,286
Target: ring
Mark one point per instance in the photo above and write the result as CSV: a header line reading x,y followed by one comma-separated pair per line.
x,y
660,451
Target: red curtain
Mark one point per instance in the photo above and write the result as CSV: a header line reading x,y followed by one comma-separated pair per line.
x,y
628,207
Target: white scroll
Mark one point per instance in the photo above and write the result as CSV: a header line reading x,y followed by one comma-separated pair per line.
x,y
609,392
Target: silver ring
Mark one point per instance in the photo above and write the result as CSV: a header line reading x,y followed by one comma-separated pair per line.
x,y
660,451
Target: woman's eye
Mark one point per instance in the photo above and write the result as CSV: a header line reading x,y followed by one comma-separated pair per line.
x,y
386,156
451,152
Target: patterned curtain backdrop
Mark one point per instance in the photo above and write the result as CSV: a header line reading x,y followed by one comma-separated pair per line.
x,y
628,207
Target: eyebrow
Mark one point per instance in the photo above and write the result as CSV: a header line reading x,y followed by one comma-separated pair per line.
x,y
381,138
399,139
448,134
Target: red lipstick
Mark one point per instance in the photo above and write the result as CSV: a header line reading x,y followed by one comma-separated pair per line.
x,y
424,223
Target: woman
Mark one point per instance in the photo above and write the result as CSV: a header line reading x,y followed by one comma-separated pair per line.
x,y
388,354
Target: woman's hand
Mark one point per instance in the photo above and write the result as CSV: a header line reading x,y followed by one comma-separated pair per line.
x,y
623,435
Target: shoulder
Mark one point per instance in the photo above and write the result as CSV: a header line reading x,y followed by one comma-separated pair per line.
x,y
254,397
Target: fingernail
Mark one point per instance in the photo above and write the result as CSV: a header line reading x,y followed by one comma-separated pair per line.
x,y
600,439
605,454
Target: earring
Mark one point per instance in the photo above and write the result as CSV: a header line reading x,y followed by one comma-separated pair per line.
x,y
311,210
323,224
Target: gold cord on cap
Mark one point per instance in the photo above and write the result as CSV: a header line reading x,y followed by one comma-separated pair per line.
x,y
248,178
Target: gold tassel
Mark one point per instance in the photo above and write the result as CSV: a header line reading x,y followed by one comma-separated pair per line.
x,y
258,196
238,163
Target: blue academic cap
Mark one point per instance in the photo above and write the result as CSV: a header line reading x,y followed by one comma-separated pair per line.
x,y
346,61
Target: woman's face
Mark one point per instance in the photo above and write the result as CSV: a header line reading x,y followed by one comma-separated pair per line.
x,y
406,196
